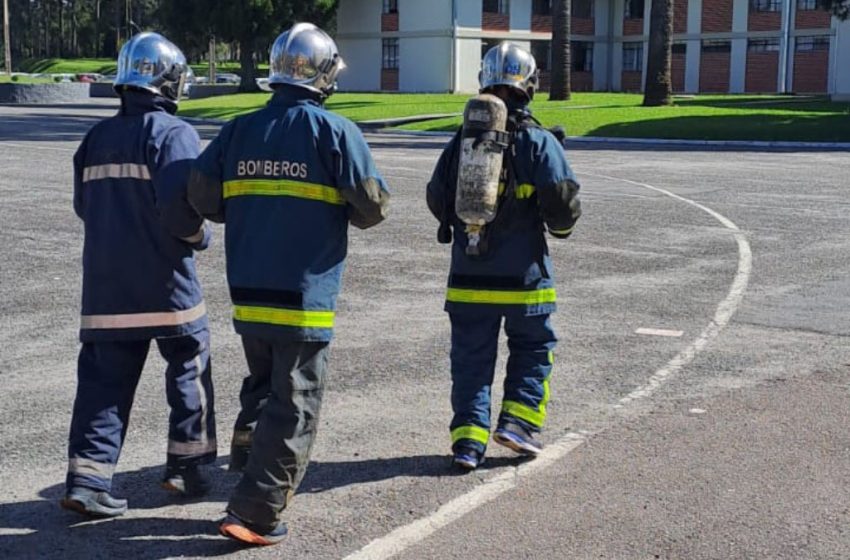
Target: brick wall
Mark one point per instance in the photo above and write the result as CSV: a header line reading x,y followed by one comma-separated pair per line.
x,y
389,79
714,72
633,26
578,26
762,72
677,71
764,21
495,22
680,16
541,24
631,81
811,71
389,22
812,19
716,16
582,26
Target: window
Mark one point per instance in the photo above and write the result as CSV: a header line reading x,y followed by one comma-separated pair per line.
x,y
582,9
766,5
487,44
495,6
679,48
632,57
541,8
809,44
716,46
542,53
389,54
807,5
390,6
582,56
633,9
763,45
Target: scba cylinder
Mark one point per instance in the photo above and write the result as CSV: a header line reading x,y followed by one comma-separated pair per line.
x,y
483,142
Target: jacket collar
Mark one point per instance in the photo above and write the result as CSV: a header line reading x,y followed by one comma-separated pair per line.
x,y
287,95
141,102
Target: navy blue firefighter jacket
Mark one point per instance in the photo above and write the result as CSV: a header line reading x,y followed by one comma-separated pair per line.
x,y
286,180
130,178
539,191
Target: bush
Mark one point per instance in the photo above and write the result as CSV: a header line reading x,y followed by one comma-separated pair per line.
x,y
57,79
16,78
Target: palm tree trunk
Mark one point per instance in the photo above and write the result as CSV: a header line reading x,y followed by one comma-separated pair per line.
x,y
559,89
659,84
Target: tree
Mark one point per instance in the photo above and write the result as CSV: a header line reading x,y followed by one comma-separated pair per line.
x,y
559,90
659,85
839,8
7,41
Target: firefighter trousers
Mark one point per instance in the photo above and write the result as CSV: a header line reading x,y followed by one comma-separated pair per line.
x,y
290,377
475,337
107,376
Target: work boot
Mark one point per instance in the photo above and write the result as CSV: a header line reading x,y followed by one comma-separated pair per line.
x,y
466,455
517,438
240,450
186,481
93,503
234,528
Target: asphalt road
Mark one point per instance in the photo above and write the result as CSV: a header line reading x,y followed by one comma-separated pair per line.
x,y
729,440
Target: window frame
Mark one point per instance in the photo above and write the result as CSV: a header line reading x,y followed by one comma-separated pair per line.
x,y
763,45
716,46
630,11
816,43
587,47
536,12
503,7
807,5
389,7
635,65
766,6
390,53
591,9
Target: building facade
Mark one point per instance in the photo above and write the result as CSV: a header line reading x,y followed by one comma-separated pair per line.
x,y
719,46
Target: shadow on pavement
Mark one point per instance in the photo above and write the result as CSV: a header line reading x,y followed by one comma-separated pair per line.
x,y
41,529
41,127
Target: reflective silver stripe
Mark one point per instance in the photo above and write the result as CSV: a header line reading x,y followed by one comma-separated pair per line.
x,y
116,171
78,465
196,238
191,447
140,320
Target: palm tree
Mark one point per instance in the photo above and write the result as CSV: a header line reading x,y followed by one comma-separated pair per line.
x,y
659,85
559,89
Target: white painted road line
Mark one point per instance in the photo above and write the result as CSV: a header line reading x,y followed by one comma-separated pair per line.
x,y
406,536
659,332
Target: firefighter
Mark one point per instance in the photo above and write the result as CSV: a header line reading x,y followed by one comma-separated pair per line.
x,y
286,181
139,281
501,271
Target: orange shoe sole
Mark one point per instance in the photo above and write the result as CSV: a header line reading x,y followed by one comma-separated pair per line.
x,y
243,534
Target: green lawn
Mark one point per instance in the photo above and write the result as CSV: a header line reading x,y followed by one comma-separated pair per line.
x,y
4,79
708,117
69,66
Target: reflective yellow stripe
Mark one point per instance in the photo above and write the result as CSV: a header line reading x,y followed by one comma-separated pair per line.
x,y
463,295
284,317
524,191
87,467
530,415
116,171
143,320
283,187
475,433
562,231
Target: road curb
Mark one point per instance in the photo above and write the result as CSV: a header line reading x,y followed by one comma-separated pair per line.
x,y
370,127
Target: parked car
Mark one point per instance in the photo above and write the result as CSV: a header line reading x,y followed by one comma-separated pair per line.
x,y
227,78
89,77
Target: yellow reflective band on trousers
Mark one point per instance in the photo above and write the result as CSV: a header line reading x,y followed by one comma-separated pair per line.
x,y
501,297
283,187
284,317
535,417
475,433
524,191
562,231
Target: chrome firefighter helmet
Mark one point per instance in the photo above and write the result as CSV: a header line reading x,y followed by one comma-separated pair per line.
x,y
150,62
508,65
305,56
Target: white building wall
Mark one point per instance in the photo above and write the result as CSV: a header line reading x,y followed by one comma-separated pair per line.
x,y
738,56
601,46
469,63
520,15
359,43
425,64
841,61
694,46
